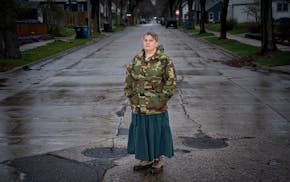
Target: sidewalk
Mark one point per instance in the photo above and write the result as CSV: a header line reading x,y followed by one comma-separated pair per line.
x,y
33,45
253,42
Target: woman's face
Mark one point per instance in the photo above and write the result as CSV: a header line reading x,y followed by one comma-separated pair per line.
x,y
149,43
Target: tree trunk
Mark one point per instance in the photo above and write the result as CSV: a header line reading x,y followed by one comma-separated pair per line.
x,y
132,5
9,46
180,18
268,43
170,5
223,34
202,20
190,14
109,14
96,14
69,6
121,12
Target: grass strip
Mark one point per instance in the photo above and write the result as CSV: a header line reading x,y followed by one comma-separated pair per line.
x,y
276,58
234,46
40,53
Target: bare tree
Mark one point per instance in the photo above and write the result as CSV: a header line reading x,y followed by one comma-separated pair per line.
x,y
122,4
69,6
190,14
202,20
180,18
9,46
254,10
96,14
109,14
223,33
132,4
268,43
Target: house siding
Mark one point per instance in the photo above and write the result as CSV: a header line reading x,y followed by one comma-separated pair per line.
x,y
237,11
216,10
279,14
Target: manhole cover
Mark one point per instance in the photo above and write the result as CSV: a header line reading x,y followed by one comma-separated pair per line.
x,y
202,141
123,131
105,152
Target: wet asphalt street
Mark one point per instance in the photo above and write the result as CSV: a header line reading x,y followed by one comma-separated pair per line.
x,y
66,119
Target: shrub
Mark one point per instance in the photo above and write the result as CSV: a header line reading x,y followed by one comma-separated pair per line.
x,y
253,27
231,24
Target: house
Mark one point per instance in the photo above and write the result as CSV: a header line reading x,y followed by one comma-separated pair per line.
x,y
76,5
280,9
214,13
212,8
239,10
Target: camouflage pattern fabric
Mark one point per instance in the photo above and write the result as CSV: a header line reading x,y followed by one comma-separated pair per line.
x,y
150,84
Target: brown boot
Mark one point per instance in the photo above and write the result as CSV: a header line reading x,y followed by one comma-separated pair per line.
x,y
142,165
157,165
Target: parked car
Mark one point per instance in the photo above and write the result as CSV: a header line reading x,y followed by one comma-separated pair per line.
x,y
171,22
143,21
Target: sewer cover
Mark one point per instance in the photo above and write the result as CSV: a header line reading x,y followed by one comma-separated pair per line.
x,y
105,152
123,131
202,141
48,168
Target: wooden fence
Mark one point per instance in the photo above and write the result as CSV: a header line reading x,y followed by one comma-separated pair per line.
x,y
29,29
75,18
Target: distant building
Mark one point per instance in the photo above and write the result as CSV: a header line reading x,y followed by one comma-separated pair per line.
x,y
280,9
238,10
214,13
76,5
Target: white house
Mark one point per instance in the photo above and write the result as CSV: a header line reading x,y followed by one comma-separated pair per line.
x,y
238,10
280,9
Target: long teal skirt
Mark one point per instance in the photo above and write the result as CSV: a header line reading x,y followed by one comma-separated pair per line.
x,y
150,136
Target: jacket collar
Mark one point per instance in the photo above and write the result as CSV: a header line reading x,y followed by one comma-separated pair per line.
x,y
156,56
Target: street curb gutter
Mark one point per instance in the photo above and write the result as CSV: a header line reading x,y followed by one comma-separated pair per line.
x,y
266,68
52,57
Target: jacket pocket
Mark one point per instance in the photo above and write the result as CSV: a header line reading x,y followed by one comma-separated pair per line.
x,y
134,100
156,102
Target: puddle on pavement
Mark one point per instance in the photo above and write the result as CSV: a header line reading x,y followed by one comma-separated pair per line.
x,y
123,131
105,152
122,111
22,98
182,151
202,141
2,82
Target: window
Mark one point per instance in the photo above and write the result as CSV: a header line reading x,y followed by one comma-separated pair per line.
x,y
81,8
282,6
211,17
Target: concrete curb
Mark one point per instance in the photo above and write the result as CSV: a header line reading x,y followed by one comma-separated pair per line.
x,y
57,55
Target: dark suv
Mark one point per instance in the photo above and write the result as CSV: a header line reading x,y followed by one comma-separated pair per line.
x,y
171,22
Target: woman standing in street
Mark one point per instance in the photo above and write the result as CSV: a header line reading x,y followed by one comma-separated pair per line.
x,y
150,83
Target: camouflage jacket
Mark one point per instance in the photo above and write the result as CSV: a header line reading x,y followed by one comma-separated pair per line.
x,y
150,84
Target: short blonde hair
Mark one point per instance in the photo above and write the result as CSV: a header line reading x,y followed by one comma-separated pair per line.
x,y
152,34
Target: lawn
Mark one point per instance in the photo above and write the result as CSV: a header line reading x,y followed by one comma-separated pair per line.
x,y
234,46
238,28
276,58
40,52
